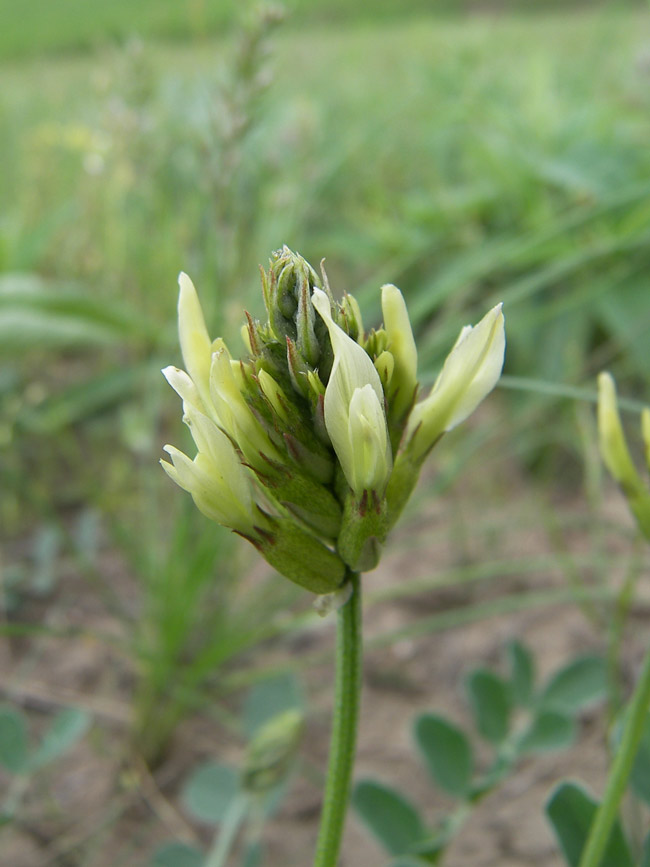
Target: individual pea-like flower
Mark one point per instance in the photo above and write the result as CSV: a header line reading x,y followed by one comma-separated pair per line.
x,y
616,455
471,371
311,443
355,418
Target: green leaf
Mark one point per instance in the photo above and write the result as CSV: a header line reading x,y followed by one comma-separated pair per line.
x,y
580,683
13,741
67,727
522,672
549,730
209,791
388,815
571,811
640,775
269,699
490,700
177,855
447,752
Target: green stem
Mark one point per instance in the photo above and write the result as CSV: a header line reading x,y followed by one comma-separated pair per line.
x,y
344,728
607,812
218,854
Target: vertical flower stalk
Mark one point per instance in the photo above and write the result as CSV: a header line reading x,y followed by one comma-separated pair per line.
x,y
310,444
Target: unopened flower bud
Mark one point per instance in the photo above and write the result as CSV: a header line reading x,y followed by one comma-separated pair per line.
x,y
613,446
272,751
234,414
470,372
401,344
615,453
196,346
273,394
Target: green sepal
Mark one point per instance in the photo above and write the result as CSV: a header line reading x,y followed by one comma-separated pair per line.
x,y
317,462
298,369
291,433
401,485
311,502
299,556
308,345
364,530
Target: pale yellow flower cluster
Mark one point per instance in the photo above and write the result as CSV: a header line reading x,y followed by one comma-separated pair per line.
x,y
310,446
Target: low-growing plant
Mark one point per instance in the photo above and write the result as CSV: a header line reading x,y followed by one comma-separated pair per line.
x,y
514,715
24,760
243,798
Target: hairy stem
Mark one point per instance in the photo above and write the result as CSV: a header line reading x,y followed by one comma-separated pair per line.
x,y
344,728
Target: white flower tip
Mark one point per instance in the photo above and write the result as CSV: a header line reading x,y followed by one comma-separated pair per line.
x,y
185,282
170,469
170,372
605,379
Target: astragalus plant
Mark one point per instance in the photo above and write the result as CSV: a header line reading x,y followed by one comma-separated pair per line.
x,y
311,443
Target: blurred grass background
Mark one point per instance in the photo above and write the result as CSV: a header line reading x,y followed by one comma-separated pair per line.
x,y
489,152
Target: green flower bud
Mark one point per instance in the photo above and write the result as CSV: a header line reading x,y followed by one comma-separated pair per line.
x,y
354,409
272,751
274,394
615,453
613,446
401,343
385,364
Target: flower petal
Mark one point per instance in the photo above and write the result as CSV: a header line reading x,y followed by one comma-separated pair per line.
x,y
470,372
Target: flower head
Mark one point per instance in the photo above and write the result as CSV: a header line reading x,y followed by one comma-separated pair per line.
x,y
310,444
